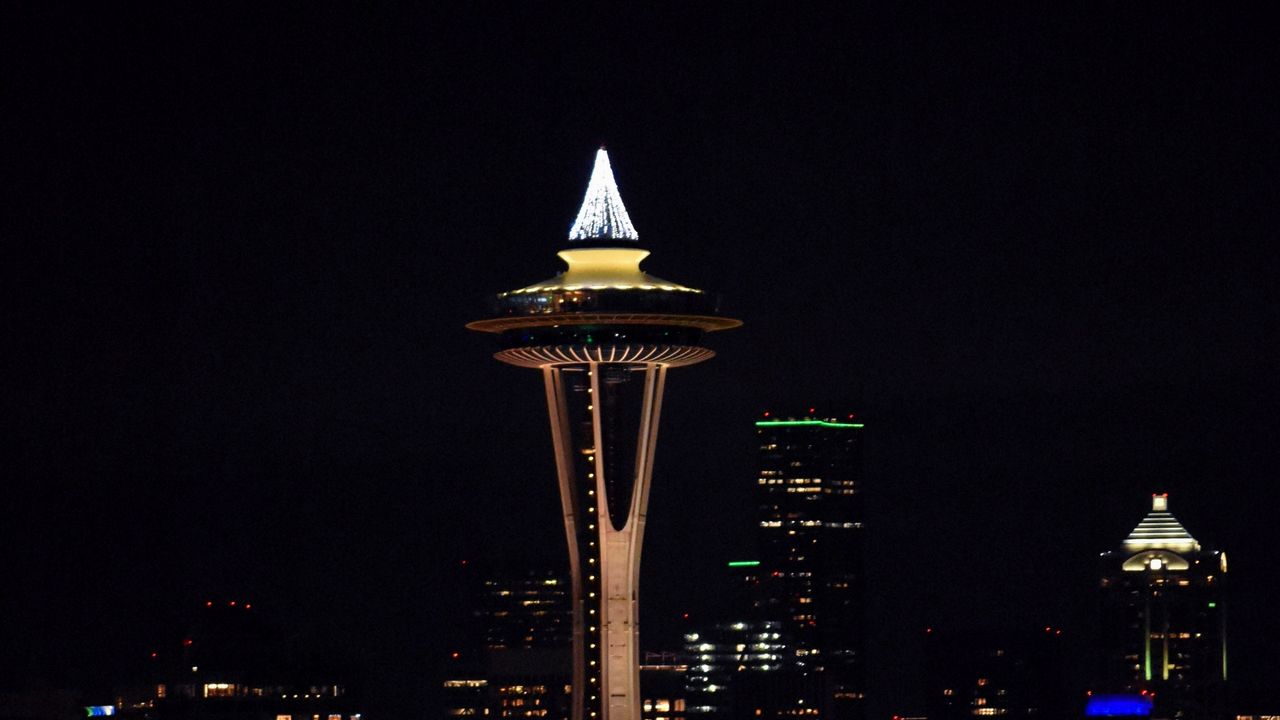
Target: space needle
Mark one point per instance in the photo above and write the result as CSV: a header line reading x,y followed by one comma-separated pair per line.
x,y
604,333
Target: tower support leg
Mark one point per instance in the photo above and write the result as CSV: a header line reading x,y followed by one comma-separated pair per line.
x,y
606,677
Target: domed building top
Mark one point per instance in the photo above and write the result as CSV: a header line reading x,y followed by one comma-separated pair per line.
x,y
602,268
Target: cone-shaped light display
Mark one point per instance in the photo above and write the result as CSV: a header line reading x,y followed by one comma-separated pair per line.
x,y
602,216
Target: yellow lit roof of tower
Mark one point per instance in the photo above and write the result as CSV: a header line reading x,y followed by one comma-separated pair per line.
x,y
604,269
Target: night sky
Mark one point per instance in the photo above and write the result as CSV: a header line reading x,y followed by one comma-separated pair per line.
x,y
1033,249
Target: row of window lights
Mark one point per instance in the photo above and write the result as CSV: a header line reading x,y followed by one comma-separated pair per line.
x,y
663,705
810,523
709,647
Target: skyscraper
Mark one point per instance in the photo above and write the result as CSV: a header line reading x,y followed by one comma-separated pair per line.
x,y
810,530
604,333
1164,618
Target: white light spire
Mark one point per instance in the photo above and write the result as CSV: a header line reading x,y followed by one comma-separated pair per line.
x,y
603,216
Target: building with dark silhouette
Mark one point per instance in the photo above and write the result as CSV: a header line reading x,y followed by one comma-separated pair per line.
x,y
788,641
809,529
1164,618
1007,675
233,663
662,687
517,661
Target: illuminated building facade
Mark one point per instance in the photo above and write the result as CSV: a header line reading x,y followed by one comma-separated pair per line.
x,y
810,542
740,669
603,333
521,666
1164,618
662,687
526,611
528,625
466,694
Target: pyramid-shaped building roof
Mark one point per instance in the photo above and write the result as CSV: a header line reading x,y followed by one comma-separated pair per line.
x,y
1160,530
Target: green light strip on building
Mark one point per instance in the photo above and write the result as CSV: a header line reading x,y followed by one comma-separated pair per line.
x,y
805,423
744,563
1146,642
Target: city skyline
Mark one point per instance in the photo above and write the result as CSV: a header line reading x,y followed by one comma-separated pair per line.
x,y
1032,249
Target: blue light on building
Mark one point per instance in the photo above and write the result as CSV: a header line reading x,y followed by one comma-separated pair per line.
x,y
1118,706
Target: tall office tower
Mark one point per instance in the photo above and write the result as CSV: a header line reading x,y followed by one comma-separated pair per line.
x,y
1164,620
810,530
604,333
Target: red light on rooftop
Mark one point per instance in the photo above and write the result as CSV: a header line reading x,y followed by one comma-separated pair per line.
x,y
1057,632
153,654
766,413
454,654
1048,629
208,603
187,642
247,606
811,410
685,616
232,603
928,630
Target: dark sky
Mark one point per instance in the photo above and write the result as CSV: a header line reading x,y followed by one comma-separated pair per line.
x,y
1033,249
